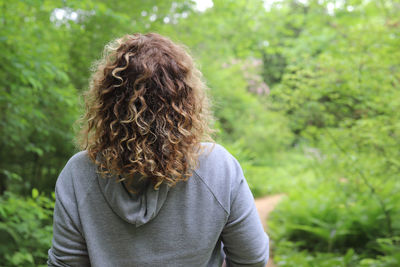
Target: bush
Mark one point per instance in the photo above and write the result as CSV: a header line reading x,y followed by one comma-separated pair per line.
x,y
329,219
25,229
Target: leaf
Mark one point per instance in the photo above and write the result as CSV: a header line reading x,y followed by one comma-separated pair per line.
x,y
323,233
35,193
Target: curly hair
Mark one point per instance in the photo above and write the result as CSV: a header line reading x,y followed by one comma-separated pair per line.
x,y
146,111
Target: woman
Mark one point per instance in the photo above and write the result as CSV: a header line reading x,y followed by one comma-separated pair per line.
x,y
146,191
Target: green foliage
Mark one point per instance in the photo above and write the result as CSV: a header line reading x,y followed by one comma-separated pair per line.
x,y
25,229
288,255
242,119
281,172
339,88
37,101
331,218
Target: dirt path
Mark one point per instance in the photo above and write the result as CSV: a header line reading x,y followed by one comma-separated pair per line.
x,y
264,206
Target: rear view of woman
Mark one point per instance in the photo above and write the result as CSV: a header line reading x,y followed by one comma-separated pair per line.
x,y
145,190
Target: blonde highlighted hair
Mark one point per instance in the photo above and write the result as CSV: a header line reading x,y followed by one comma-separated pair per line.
x,y
146,111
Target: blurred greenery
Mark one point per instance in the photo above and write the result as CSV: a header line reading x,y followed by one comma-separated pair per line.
x,y
305,93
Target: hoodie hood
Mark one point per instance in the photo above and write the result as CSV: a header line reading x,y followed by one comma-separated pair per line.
x,y
135,208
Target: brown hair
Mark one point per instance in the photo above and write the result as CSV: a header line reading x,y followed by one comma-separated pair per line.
x,y
146,111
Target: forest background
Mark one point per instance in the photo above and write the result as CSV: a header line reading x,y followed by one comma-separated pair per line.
x,y
305,93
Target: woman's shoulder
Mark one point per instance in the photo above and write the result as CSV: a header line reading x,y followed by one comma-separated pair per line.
x,y
212,151
80,158
220,172
215,155
78,172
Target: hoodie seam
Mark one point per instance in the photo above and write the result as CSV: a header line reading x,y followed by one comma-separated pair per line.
x,y
209,189
106,201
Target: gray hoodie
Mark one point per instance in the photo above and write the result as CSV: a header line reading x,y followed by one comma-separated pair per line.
x,y
98,222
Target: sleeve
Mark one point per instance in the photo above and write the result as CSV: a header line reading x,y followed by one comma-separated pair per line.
x,y
68,245
244,239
